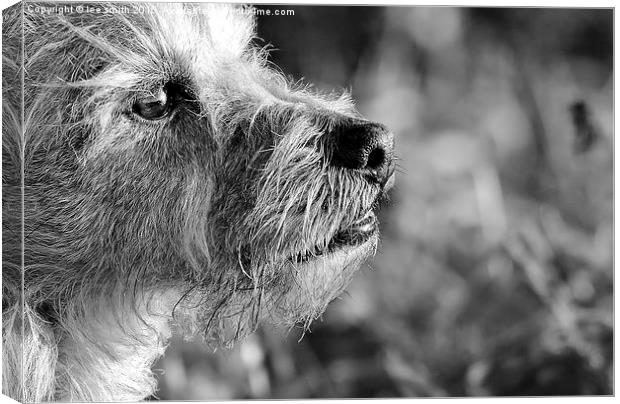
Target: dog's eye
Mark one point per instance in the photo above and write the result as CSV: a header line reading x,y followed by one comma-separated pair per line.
x,y
153,107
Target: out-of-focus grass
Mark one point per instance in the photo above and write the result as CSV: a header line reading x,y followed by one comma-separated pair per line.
x,y
494,275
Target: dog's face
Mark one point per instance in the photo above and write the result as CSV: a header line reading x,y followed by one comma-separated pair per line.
x,y
161,152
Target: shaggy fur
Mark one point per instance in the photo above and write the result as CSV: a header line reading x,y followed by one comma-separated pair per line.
x,y
119,230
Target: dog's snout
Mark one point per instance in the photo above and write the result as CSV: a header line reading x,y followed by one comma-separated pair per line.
x,y
364,146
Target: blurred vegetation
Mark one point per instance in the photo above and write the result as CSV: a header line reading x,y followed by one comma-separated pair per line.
x,y
494,275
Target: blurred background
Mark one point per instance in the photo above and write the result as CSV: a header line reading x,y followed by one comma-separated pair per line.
x,y
494,275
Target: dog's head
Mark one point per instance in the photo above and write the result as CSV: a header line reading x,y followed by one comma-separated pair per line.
x,y
161,151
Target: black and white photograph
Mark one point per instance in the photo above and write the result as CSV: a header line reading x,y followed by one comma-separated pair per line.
x,y
205,201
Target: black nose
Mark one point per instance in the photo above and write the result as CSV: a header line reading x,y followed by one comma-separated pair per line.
x,y
365,146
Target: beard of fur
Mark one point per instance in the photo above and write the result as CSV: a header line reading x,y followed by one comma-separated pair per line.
x,y
290,200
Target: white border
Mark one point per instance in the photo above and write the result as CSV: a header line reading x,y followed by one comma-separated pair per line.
x,y
446,3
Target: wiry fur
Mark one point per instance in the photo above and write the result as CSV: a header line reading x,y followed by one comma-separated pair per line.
x,y
131,227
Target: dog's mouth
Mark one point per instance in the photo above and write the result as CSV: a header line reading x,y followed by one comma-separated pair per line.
x,y
356,234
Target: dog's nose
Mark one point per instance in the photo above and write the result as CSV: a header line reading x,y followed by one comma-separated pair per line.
x,y
364,146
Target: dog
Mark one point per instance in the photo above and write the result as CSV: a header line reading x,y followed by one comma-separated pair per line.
x,y
159,177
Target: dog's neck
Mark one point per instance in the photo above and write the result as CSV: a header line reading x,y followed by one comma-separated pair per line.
x,y
110,358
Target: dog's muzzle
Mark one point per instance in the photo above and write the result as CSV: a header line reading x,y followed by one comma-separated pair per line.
x,y
367,148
